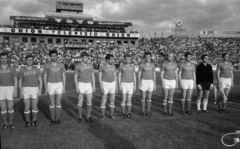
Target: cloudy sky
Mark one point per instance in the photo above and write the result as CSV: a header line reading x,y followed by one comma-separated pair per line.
x,y
147,16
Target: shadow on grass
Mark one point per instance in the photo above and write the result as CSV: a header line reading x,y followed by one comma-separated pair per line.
x,y
19,107
43,106
70,106
109,136
71,103
97,103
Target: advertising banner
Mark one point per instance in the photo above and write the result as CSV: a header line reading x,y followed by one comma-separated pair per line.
x,y
208,32
68,33
231,32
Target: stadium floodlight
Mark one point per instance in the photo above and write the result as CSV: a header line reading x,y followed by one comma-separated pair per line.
x,y
236,140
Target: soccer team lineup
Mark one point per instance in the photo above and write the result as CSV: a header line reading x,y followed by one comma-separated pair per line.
x,y
185,76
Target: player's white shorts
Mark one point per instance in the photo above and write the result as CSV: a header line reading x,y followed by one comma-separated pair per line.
x,y
55,88
187,84
127,88
85,88
109,87
169,84
147,85
225,82
30,92
6,92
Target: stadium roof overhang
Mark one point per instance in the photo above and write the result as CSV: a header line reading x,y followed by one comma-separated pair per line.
x,y
69,21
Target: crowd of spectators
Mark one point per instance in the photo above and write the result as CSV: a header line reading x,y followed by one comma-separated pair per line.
x,y
158,46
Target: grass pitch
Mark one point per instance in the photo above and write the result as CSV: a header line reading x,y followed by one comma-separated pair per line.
x,y
156,132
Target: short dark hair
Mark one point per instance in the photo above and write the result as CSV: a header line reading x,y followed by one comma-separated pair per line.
x,y
53,52
203,56
187,53
108,56
29,56
224,54
4,54
127,55
147,53
84,54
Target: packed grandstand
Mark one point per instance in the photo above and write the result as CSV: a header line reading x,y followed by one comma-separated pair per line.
x,y
159,47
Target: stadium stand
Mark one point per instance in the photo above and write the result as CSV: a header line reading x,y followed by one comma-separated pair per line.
x,y
158,46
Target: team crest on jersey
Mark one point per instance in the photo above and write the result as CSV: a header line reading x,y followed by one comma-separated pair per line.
x,y
227,67
171,67
29,73
109,69
188,68
127,68
85,67
4,71
55,69
148,68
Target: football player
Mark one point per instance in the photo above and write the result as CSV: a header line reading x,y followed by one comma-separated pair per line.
x,y
187,80
127,84
8,91
225,82
108,84
169,78
30,86
54,81
147,83
85,85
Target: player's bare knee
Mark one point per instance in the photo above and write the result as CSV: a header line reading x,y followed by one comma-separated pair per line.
x,y
150,97
59,106
89,103
199,97
188,97
225,99
34,109
123,103
80,103
10,110
27,107
104,97
52,103
149,100
183,100
103,106
3,110
164,103
129,102
205,99
51,106
112,105
27,111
